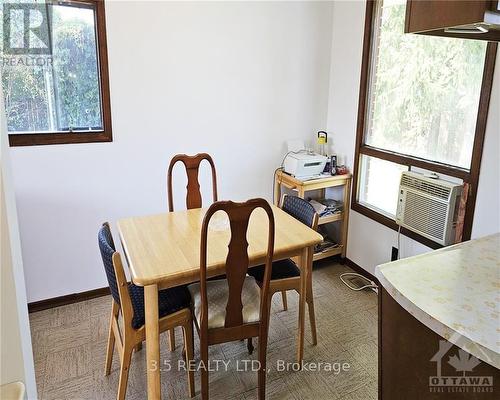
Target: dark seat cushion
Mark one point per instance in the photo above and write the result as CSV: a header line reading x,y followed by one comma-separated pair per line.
x,y
281,269
169,301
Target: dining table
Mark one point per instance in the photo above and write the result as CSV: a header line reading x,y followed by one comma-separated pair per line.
x,y
163,251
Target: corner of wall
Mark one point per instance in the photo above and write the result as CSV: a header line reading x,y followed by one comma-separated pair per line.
x,y
16,350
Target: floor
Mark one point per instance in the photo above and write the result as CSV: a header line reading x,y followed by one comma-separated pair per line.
x,y
69,346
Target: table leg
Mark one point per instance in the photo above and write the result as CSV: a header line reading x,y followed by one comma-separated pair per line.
x,y
302,303
310,297
152,341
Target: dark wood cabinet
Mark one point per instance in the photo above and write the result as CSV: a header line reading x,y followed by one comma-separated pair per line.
x,y
414,361
470,19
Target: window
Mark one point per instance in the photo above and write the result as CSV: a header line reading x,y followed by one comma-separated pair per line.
x,y
423,103
54,72
380,184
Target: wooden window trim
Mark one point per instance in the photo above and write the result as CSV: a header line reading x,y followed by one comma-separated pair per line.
x,y
36,139
470,176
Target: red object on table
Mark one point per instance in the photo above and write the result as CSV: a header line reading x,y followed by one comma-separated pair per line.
x,y
342,170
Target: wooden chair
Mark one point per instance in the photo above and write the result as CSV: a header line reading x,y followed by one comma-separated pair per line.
x,y
193,195
234,308
192,164
285,274
173,307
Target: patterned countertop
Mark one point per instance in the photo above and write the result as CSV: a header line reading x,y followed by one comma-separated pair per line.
x,y
455,291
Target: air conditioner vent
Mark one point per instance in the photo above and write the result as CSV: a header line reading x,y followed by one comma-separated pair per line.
x,y
428,206
425,214
431,188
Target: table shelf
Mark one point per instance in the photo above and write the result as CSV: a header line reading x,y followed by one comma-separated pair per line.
x,y
328,253
282,179
331,218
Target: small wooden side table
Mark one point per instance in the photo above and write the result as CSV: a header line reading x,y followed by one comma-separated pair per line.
x,y
283,179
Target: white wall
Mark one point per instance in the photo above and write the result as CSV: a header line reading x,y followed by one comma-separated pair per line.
x,y
369,243
233,79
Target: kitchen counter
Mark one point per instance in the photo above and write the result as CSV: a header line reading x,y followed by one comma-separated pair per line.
x,y
455,292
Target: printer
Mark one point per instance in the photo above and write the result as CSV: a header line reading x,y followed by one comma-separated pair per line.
x,y
304,165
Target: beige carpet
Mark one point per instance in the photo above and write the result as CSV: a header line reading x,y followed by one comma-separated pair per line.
x,y
69,345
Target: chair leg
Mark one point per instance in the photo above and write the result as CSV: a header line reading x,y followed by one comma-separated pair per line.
x,y
111,338
285,302
263,334
250,346
312,316
204,368
188,345
171,339
124,369
261,377
138,347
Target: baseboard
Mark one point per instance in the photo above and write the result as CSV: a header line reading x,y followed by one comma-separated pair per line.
x,y
67,299
92,294
351,264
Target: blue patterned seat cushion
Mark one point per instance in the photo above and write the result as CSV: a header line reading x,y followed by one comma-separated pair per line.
x,y
169,301
281,270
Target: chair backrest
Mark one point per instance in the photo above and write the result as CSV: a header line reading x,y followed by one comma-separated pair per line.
x,y
113,267
237,260
107,248
192,165
301,210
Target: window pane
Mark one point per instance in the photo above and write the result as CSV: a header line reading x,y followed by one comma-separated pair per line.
x,y
75,69
59,91
424,91
379,184
27,98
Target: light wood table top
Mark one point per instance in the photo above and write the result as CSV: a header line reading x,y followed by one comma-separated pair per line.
x,y
164,249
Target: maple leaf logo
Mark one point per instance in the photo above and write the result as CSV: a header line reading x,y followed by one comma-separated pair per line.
x,y
464,362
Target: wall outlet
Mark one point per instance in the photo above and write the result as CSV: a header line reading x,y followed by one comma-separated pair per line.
x,y
394,254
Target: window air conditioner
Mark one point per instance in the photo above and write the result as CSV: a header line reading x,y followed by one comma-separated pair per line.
x,y
428,206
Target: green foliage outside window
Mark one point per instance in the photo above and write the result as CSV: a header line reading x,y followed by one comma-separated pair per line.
x,y
424,91
64,93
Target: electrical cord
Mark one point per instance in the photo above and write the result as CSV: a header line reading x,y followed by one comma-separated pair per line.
x,y
399,242
371,285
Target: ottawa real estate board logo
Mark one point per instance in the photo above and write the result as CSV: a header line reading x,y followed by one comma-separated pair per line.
x,y
455,372
26,28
